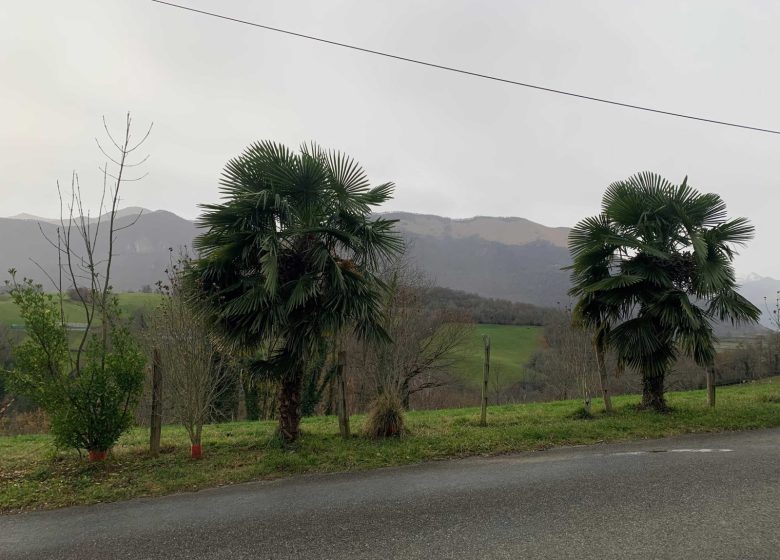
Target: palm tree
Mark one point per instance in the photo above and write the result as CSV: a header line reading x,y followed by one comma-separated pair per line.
x,y
652,272
288,259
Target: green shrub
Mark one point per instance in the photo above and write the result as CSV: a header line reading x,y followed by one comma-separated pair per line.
x,y
89,393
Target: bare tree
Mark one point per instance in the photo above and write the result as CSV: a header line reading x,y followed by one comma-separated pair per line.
x,y
424,341
83,272
193,367
773,313
567,360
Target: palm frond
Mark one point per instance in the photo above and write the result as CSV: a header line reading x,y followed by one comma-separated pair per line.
x,y
292,251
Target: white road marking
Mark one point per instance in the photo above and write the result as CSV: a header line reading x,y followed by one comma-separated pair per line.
x,y
700,450
704,450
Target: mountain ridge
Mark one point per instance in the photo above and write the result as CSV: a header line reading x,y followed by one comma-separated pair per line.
x,y
509,258
120,213
509,230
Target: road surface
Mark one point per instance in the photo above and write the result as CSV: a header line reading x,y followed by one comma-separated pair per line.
x,y
702,496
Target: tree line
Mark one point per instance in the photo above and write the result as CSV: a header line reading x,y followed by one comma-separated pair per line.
x,y
487,310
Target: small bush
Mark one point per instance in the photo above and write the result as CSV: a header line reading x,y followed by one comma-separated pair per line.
x,y
88,396
385,418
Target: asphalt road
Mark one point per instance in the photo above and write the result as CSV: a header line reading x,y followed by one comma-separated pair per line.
x,y
703,496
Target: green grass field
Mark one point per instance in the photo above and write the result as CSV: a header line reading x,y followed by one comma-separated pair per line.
x,y
510,348
33,475
130,302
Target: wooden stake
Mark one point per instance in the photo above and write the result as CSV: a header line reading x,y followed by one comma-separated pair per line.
x,y
603,379
485,377
156,421
342,395
711,385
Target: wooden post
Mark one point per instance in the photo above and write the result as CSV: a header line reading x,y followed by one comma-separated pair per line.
x,y
342,395
485,377
156,421
603,378
711,385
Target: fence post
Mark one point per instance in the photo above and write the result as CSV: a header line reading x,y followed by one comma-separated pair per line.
x,y
485,376
711,385
156,420
342,395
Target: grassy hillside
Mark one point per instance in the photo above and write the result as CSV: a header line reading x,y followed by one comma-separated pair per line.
x,y
34,475
510,348
130,303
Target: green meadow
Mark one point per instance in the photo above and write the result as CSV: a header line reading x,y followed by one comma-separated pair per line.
x,y
510,348
74,312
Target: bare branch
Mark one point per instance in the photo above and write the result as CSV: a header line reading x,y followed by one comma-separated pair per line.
x,y
47,239
123,179
52,280
108,133
131,224
115,162
143,139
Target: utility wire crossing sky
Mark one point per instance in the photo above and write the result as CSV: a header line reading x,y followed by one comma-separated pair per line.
x,y
408,90
467,72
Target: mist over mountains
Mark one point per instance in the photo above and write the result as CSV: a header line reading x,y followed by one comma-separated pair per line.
x,y
507,258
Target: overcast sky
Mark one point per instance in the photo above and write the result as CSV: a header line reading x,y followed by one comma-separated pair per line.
x,y
455,146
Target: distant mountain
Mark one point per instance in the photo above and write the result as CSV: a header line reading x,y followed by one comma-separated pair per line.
x,y
505,258
141,250
507,231
509,258
130,211
764,292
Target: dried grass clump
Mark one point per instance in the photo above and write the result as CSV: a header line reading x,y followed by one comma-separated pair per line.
x,y
385,418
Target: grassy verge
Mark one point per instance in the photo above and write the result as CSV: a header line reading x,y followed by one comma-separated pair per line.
x,y
33,475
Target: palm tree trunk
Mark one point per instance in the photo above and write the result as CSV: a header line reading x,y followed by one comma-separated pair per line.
x,y
653,392
604,378
290,406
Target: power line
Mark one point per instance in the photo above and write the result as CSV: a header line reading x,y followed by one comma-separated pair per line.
x,y
467,72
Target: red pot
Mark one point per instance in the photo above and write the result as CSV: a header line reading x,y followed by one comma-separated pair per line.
x,y
196,451
97,456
